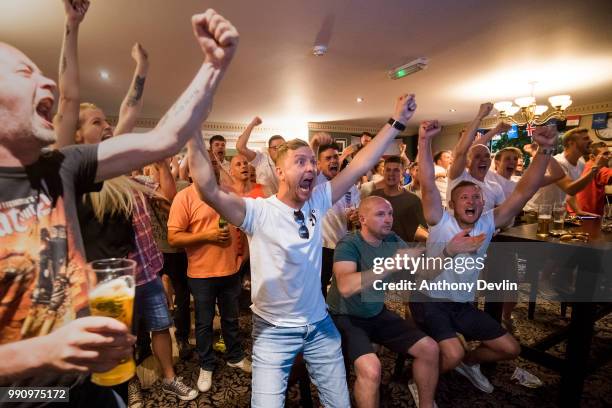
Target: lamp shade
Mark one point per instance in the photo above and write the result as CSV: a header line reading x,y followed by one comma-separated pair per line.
x,y
513,109
525,101
540,109
560,101
502,106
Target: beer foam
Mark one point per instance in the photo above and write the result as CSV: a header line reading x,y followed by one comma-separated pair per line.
x,y
119,287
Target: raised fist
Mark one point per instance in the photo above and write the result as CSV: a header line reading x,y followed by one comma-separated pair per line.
x,y
485,109
75,10
139,54
545,136
256,121
217,37
502,127
404,108
429,129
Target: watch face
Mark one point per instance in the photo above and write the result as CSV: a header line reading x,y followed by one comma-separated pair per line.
x,y
605,134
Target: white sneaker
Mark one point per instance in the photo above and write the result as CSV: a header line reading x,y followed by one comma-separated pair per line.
x,y
475,376
415,394
204,380
244,364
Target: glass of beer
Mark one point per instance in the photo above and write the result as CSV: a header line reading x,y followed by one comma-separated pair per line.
x,y
558,217
606,218
544,220
113,296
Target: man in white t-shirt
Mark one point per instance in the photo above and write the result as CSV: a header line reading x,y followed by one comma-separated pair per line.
x,y
454,312
472,160
443,160
217,147
264,163
285,241
576,143
335,220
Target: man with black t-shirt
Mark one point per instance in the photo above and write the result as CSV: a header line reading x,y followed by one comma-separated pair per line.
x,y
45,340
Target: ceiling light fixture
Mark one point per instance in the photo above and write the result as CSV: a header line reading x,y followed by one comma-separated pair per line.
x,y
452,110
359,99
104,75
408,69
527,111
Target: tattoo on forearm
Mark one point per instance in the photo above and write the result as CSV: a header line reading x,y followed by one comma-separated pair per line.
x,y
67,30
136,93
64,64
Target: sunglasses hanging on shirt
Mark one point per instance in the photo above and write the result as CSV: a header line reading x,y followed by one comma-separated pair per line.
x,y
298,216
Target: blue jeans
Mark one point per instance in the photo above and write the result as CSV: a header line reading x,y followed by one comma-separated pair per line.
x,y
275,349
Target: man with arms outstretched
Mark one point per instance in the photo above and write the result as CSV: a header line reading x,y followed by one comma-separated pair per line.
x,y
284,231
39,191
466,234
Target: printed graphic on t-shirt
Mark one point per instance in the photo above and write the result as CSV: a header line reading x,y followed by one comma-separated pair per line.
x,y
41,283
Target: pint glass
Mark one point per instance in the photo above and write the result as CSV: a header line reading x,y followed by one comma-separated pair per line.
x,y
113,296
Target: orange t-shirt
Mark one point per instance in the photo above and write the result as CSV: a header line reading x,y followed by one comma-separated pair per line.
x,y
190,214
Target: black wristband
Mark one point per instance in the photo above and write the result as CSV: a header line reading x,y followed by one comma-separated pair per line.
x,y
397,124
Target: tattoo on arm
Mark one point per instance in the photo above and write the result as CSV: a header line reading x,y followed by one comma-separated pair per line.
x,y
136,93
64,64
67,30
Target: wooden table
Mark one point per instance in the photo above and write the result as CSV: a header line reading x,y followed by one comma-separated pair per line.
x,y
588,257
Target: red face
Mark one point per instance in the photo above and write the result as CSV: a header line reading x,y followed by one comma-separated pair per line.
x,y
467,204
26,100
297,172
218,149
507,164
93,127
445,160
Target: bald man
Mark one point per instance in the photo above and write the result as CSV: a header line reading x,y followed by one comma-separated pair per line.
x,y
361,316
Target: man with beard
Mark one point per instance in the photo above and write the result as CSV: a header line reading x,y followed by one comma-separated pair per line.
x,y
443,313
285,240
264,163
40,191
576,143
337,218
408,220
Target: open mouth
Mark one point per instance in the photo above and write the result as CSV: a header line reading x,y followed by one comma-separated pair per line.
x,y
107,135
43,109
305,184
470,212
510,169
333,167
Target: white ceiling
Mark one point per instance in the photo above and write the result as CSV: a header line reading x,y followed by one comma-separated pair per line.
x,y
478,51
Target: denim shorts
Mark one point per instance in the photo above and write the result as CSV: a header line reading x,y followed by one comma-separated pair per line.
x,y
150,306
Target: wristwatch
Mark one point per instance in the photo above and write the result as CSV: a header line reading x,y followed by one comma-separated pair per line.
x,y
547,151
397,124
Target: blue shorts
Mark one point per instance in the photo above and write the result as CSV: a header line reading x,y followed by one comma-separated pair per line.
x,y
150,306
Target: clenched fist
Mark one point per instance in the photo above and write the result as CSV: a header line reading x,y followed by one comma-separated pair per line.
x,y
217,37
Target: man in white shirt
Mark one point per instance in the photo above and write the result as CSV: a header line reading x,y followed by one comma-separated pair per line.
x,y
576,143
466,234
285,241
443,160
477,158
264,163
335,220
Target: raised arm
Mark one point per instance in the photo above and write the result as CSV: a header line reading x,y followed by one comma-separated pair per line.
x,y
132,103
67,118
218,40
546,138
230,206
501,127
465,142
241,143
167,185
430,195
369,155
571,187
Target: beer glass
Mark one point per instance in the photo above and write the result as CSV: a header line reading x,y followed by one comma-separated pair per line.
x,y
113,296
544,220
558,217
606,218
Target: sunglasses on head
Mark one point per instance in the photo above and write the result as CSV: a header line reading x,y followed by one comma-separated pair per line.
x,y
298,217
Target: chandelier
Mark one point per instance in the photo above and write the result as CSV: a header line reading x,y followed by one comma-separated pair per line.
x,y
528,112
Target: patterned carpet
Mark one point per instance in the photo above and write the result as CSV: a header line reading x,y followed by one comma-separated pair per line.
x,y
231,387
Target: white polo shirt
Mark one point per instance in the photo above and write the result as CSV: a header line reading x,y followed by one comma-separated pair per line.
x,y
265,173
